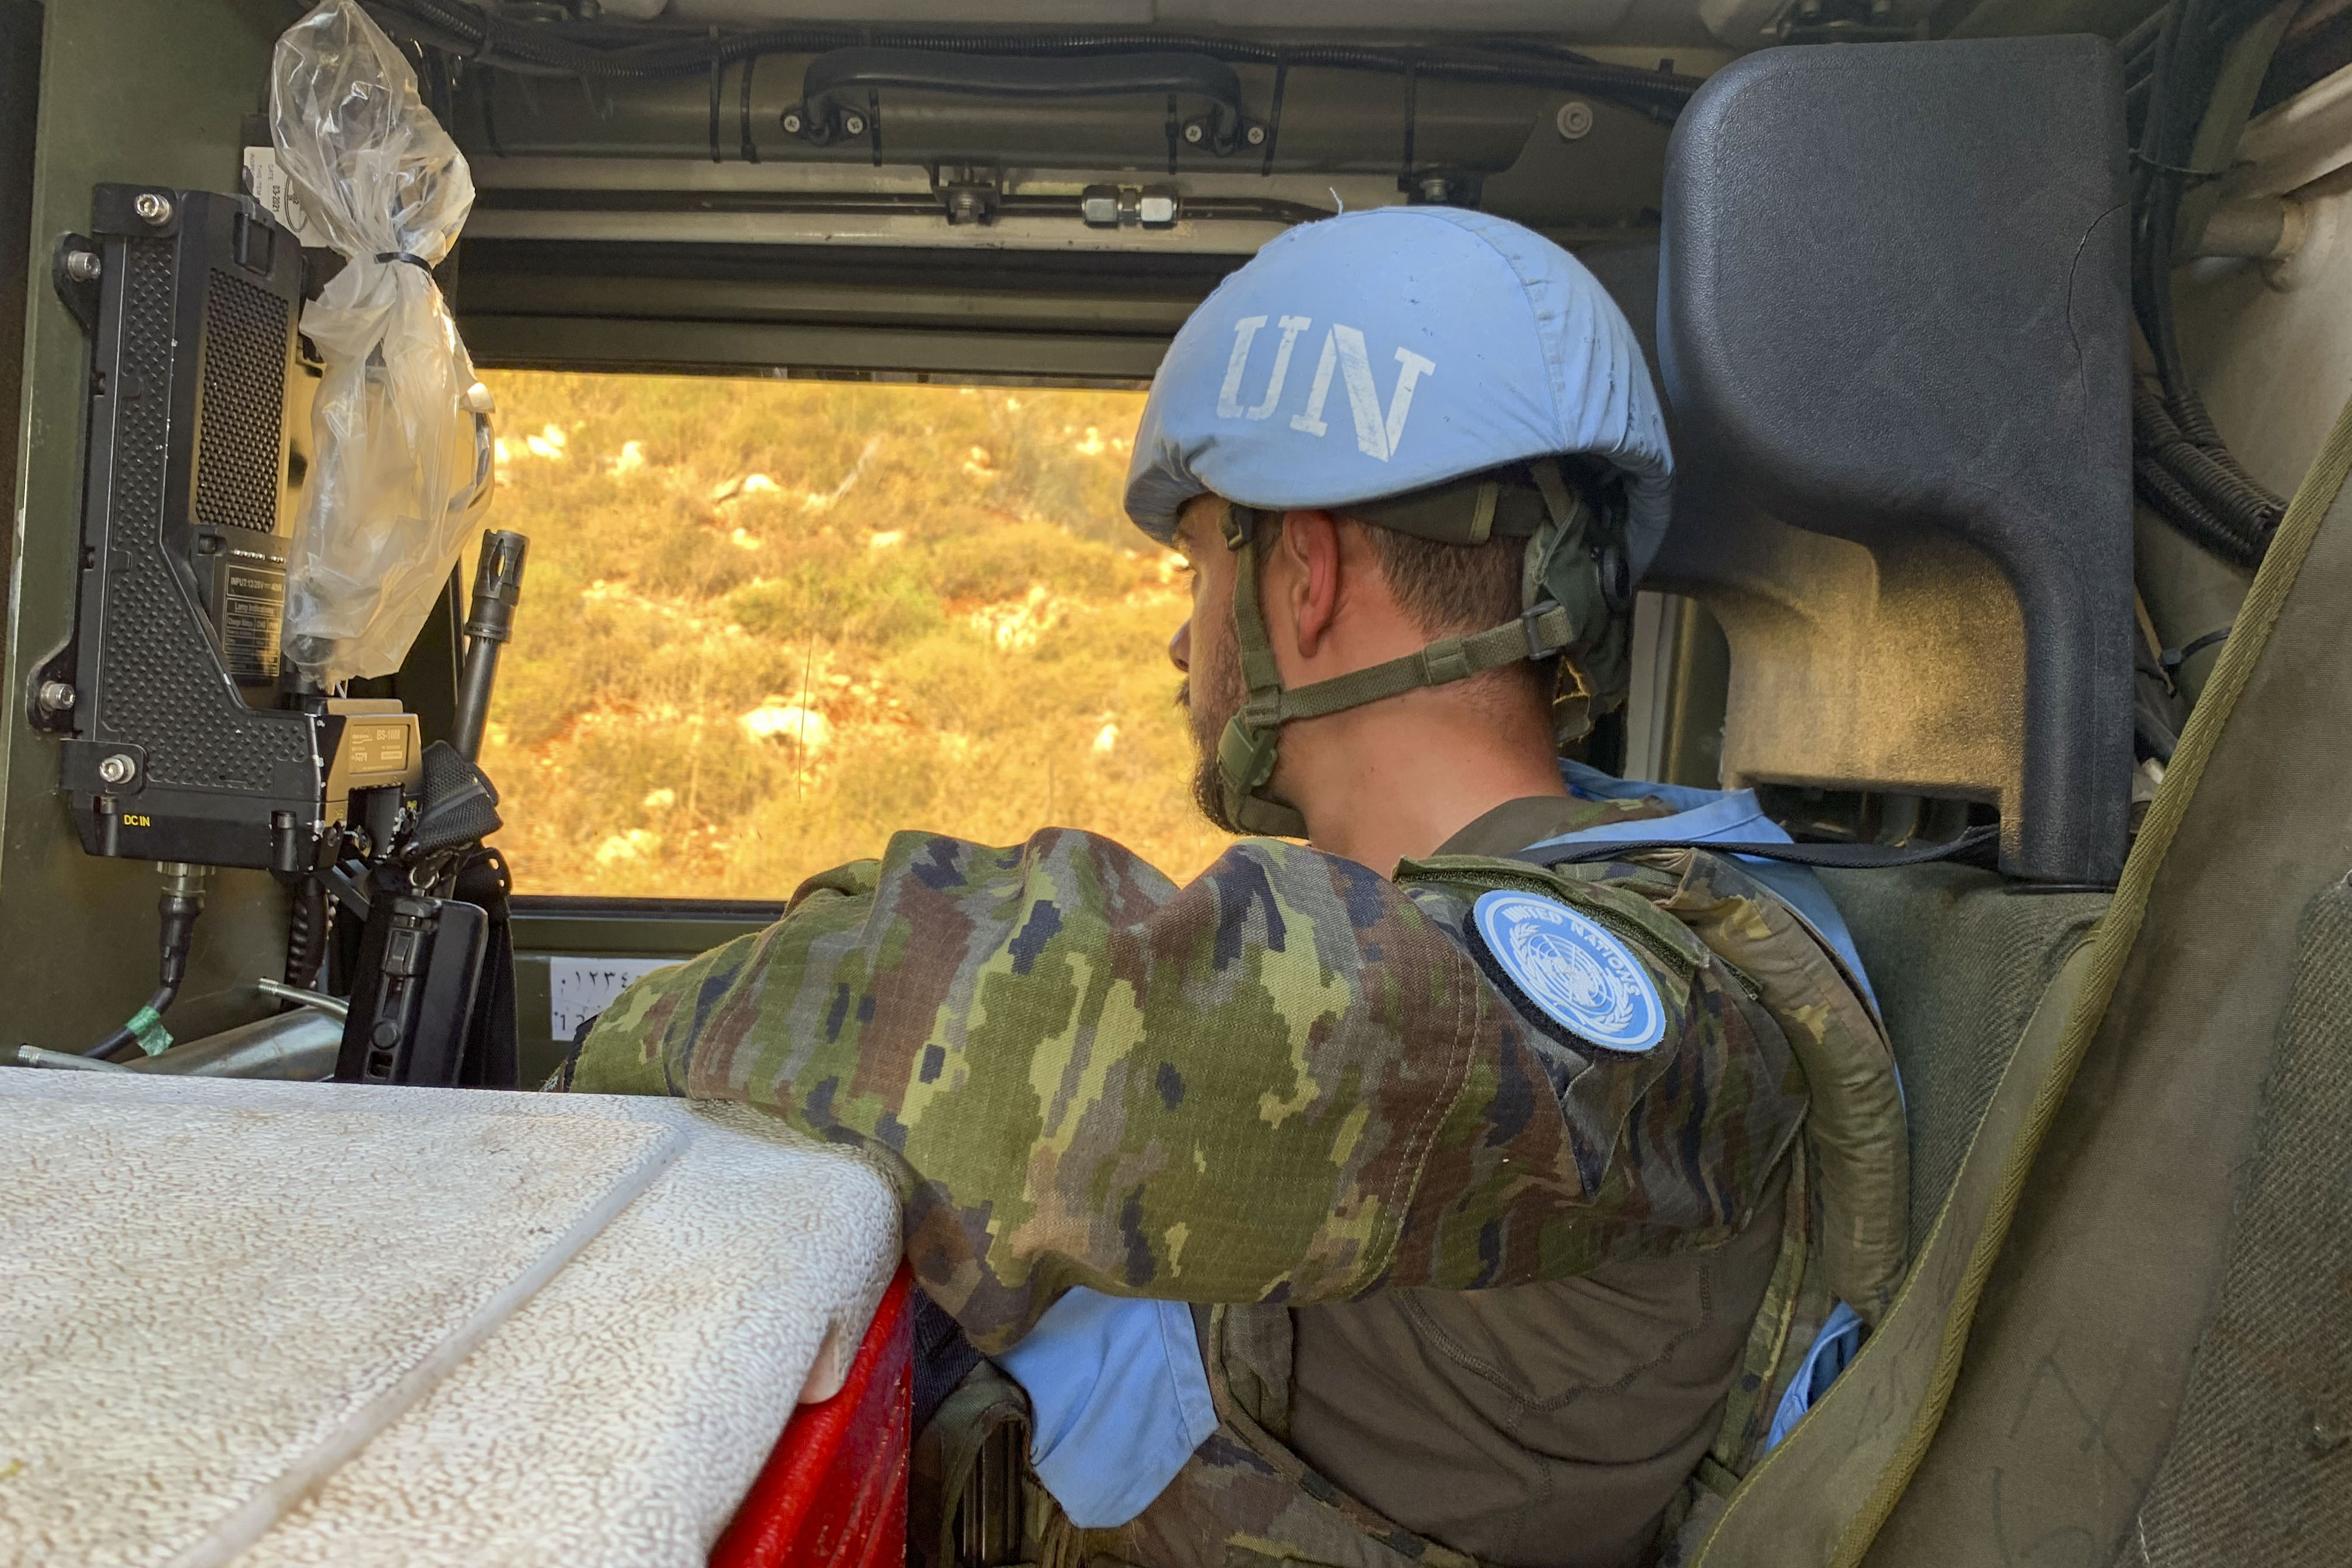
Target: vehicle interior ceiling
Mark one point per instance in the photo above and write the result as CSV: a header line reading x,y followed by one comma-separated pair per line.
x,y
858,191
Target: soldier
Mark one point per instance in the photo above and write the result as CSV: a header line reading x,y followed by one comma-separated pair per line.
x,y
1484,1180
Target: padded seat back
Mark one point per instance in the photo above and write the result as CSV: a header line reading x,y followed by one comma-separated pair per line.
x,y
1959,960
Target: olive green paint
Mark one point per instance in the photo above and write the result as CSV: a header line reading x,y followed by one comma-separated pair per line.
x,y
149,90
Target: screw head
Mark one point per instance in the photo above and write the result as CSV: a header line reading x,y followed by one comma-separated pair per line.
x,y
1256,136
793,121
153,207
118,768
1192,133
83,266
55,696
1574,121
854,124
1434,190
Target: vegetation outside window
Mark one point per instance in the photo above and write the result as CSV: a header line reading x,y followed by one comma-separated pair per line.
x,y
768,623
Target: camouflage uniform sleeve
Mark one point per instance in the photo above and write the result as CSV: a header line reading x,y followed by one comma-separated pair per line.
x,y
1288,1080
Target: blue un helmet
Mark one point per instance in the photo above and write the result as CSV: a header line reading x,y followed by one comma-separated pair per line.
x,y
1442,372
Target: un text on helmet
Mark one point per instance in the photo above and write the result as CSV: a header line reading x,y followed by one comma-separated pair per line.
x,y
1377,434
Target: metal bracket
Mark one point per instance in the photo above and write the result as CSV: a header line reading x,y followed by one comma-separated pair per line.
x,y
1442,187
116,768
74,269
150,212
52,680
970,195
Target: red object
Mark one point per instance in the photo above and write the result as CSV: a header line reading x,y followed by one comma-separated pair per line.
x,y
833,1494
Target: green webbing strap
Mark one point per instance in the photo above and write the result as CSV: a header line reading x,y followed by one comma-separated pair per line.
x,y
1845,857
1246,752
1463,511
1538,634
1825,1492
945,1477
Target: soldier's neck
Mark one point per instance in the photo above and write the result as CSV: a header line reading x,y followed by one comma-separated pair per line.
x,y
1394,780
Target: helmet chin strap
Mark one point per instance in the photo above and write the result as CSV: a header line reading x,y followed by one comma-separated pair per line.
x,y
1558,559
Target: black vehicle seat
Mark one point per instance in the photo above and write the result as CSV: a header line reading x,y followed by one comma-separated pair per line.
x,y
1857,469
1891,310
1959,959
1893,285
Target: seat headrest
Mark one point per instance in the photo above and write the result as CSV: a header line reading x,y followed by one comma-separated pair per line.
x,y
1894,311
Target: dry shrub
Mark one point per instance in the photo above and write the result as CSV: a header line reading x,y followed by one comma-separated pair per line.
x,y
768,623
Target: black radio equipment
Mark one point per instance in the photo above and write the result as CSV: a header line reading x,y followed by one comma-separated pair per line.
x,y
182,745
187,739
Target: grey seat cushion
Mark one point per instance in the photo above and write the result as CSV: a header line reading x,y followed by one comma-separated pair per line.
x,y
1959,961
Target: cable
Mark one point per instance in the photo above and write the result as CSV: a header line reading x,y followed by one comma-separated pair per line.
x,y
2196,481
576,51
181,900
2181,468
307,929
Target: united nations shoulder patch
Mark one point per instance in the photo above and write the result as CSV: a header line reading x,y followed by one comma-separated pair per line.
x,y
1578,973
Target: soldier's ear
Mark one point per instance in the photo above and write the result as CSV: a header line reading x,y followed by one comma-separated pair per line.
x,y
1309,546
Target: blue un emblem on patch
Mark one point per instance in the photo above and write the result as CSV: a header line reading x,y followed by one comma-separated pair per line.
x,y
1578,973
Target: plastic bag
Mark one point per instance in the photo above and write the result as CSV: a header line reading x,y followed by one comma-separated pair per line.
x,y
401,464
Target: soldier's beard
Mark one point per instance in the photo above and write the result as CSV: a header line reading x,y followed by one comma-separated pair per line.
x,y
1209,706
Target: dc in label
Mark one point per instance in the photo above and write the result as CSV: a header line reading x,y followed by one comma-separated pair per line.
x,y
1578,973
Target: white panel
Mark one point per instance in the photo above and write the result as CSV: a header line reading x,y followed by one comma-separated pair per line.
x,y
205,1273
580,988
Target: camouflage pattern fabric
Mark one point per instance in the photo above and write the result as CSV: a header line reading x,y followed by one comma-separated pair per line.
x,y
1289,1081
1245,1497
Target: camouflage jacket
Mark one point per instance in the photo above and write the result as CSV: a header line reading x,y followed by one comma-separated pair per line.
x,y
1290,1081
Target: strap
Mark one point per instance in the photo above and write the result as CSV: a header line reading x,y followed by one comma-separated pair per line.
x,y
1825,1493
1557,500
1797,1499
2173,658
1472,510
946,1471
1246,752
1539,633
1854,857
492,1059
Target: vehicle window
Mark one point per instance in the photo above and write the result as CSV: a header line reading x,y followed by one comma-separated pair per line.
x,y
766,624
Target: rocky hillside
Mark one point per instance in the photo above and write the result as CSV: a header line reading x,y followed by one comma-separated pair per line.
x,y
767,623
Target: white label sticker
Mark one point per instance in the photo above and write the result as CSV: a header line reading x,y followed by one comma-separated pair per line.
x,y
269,186
580,988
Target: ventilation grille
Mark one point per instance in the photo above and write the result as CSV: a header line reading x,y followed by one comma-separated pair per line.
x,y
244,406
162,686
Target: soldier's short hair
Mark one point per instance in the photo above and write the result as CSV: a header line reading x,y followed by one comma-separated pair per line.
x,y
1451,589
